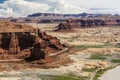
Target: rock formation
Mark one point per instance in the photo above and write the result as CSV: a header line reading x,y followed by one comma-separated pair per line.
x,y
28,45
68,25
87,22
14,44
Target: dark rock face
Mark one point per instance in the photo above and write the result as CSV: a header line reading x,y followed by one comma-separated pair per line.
x,y
90,23
14,44
52,42
28,45
36,53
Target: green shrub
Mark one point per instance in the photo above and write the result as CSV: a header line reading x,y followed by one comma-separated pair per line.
x,y
115,60
117,45
88,46
63,77
98,56
89,69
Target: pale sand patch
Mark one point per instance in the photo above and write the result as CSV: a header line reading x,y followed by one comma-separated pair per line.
x,y
10,78
18,78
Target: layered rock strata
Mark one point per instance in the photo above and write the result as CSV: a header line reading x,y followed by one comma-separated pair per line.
x,y
87,22
28,45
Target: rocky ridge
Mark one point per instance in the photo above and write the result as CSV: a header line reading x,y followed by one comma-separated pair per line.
x,y
87,22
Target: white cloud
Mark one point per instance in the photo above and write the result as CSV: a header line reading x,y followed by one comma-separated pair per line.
x,y
61,6
78,6
19,8
103,6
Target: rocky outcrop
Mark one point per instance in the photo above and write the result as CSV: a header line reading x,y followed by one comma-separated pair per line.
x,y
52,42
87,22
28,45
39,45
68,25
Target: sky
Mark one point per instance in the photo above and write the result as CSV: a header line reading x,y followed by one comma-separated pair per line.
x,y
22,8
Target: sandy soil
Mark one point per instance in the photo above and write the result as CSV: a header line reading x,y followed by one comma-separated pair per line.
x,y
90,36
44,27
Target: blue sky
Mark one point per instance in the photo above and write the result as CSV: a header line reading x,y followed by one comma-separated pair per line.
x,y
1,1
18,8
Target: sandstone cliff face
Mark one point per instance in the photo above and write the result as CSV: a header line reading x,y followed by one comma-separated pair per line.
x,y
14,44
39,45
87,22
29,45
51,42
67,25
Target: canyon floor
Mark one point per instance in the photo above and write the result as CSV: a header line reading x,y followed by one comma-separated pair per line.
x,y
91,50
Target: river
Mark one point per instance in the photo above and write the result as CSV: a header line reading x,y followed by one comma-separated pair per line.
x,y
113,74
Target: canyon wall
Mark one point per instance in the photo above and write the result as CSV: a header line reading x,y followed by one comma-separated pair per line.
x,y
87,22
57,18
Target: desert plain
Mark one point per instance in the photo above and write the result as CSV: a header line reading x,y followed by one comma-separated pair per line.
x,y
92,51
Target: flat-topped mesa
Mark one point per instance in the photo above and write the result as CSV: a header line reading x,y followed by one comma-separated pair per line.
x,y
7,26
32,45
87,22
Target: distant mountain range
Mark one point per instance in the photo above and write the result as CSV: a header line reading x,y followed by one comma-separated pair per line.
x,y
53,17
69,15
